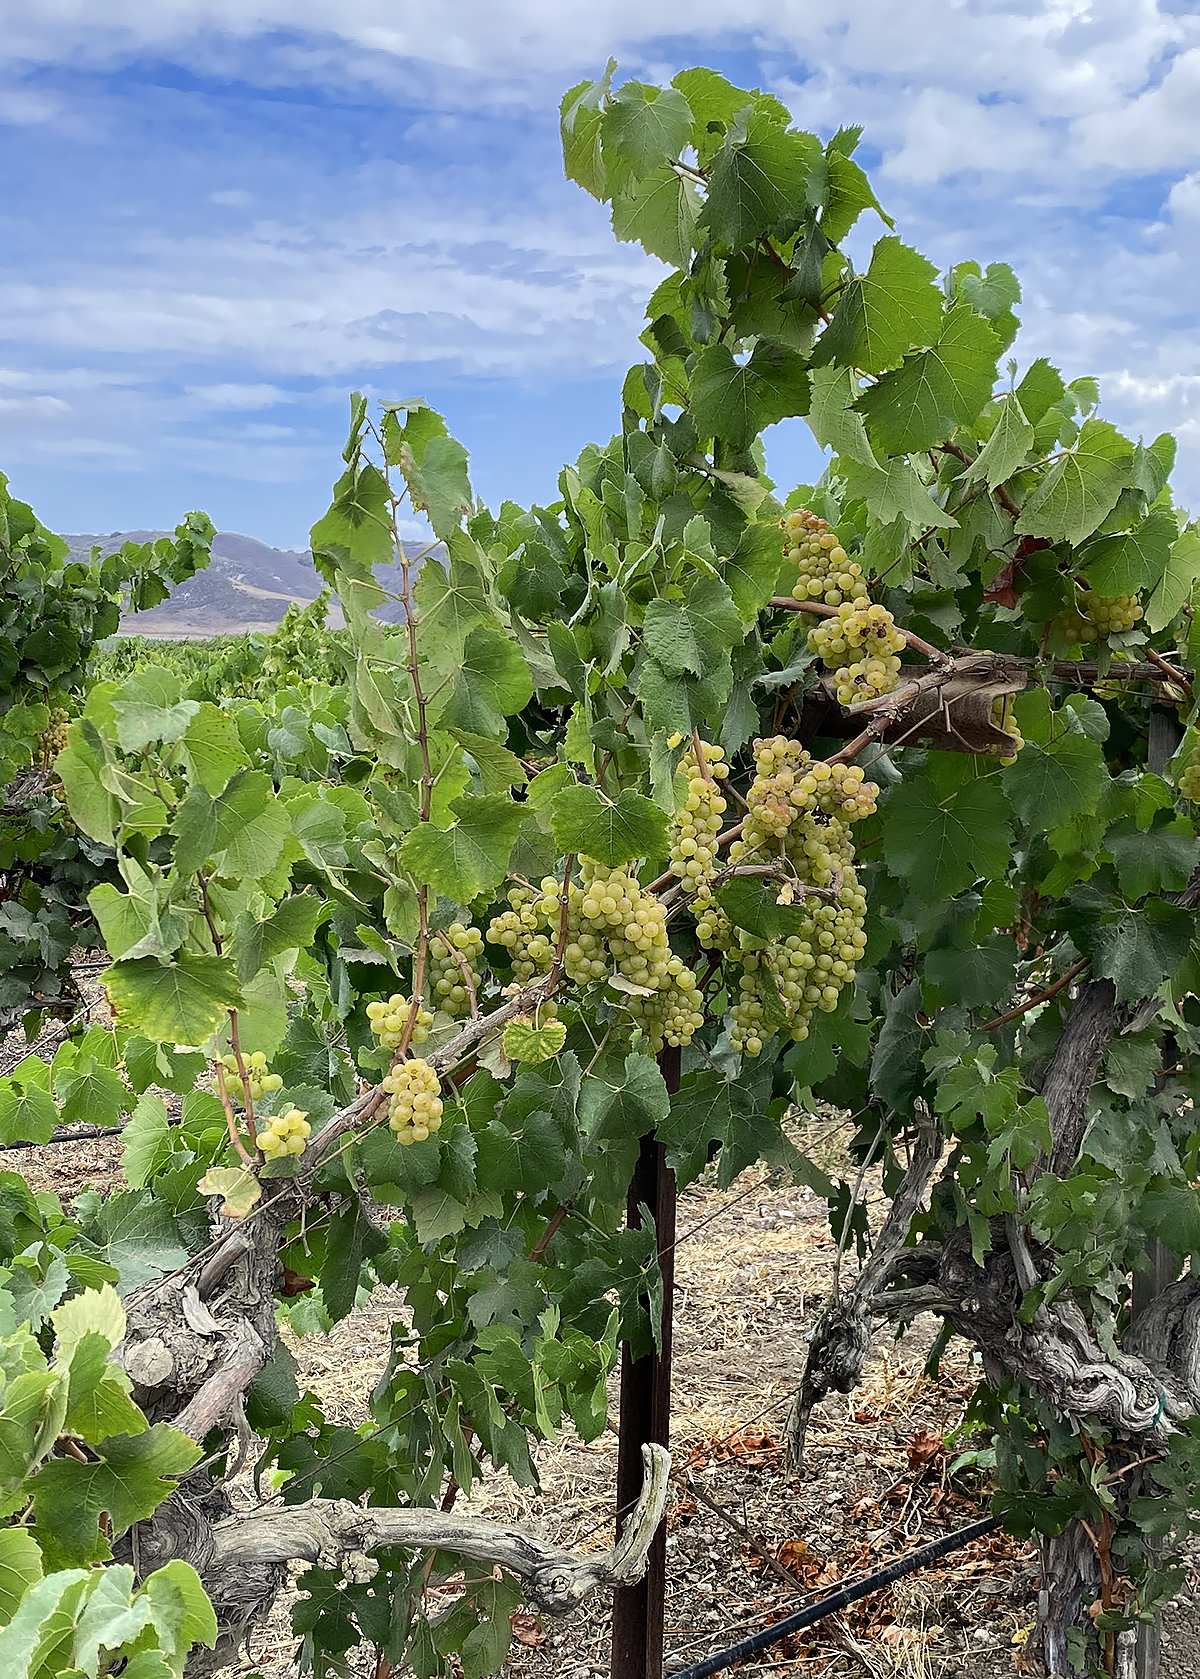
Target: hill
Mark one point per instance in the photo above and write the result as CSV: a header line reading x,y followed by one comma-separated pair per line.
x,y
247,585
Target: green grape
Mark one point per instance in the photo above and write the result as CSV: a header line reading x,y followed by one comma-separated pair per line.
x,y
1095,617
825,572
287,1133
1189,779
262,1082
866,629
1003,718
389,1020
699,807
448,983
414,1100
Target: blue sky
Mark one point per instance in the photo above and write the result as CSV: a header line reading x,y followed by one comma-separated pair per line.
x,y
220,216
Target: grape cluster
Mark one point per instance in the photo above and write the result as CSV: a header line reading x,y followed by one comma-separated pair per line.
x,y
1003,718
450,989
388,1021
869,631
55,736
1096,617
1189,779
697,819
261,1081
613,927
287,1133
824,570
799,813
788,783
414,1100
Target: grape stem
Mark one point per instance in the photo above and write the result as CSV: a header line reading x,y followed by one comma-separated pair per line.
x,y
230,1122
1060,984
788,603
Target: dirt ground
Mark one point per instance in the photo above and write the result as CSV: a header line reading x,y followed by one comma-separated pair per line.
x,y
746,1544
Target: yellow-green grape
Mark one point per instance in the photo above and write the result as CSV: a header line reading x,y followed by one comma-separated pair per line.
x,y
1003,718
714,929
262,1081
523,931
824,571
55,736
844,791
777,797
865,629
449,986
389,1020
1189,780
1095,617
287,1133
697,819
415,1103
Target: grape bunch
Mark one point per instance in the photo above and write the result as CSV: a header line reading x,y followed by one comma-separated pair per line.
x,y
697,819
1189,778
788,783
613,928
388,1021
863,629
824,570
287,1133
414,1100
55,736
1003,718
261,1081
449,986
1095,617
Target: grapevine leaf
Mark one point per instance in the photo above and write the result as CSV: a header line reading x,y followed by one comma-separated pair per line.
x,y
471,855
1049,785
1176,583
979,974
587,823
1134,562
1140,949
896,1062
1161,860
438,482
493,682
642,128
735,401
624,1100
353,1239
714,1109
694,638
133,1232
921,402
239,1189
291,925
894,491
356,533
20,1569
659,213
28,1113
145,1141
1079,490
1007,447
213,748
524,1041
895,307
757,178
580,120
129,1479
179,1002
939,845
1040,389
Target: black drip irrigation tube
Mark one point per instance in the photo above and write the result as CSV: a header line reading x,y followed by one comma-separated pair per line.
x,y
839,1600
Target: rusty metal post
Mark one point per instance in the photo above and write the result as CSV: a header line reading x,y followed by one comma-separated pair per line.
x,y
639,1611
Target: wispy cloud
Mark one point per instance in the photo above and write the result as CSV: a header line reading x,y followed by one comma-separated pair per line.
x,y
225,212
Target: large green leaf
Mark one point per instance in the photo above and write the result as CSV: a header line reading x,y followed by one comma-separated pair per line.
x,y
1007,447
736,400
757,178
1049,785
920,403
1082,486
129,1478
584,821
642,128
471,855
893,308
940,842
493,682
659,213
1133,562
1140,949
693,637
179,1002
